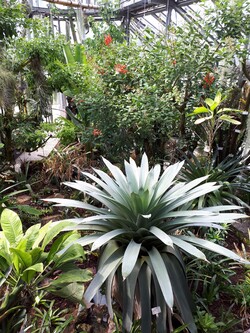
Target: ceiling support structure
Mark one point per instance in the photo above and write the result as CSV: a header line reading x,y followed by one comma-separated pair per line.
x,y
134,14
169,15
73,4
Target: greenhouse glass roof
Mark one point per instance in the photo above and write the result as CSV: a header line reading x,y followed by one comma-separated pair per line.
x,y
137,16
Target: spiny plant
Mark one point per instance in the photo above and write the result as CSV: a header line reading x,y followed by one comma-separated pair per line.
x,y
142,231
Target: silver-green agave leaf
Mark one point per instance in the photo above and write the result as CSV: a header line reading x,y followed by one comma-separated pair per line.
x,y
142,231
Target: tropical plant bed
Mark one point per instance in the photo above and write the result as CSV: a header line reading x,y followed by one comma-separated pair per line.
x,y
95,319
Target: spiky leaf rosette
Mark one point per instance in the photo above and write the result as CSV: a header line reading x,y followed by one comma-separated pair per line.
x,y
141,233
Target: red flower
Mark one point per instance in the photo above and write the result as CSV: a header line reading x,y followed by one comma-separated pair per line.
x,y
96,132
101,71
174,62
107,40
209,79
121,69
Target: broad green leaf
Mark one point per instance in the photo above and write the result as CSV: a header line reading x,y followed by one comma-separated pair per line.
x,y
76,275
11,226
21,259
162,276
42,232
201,120
53,231
74,252
59,244
30,272
73,292
68,54
209,102
199,110
31,235
37,268
22,244
218,97
130,258
36,255
229,119
5,249
79,58
214,106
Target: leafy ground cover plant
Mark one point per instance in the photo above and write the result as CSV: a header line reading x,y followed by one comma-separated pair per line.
x,y
47,319
207,281
30,258
142,232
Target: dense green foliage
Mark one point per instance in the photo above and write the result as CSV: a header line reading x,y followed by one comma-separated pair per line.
x,y
138,96
26,263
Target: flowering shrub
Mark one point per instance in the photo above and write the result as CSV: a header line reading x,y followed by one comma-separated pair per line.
x,y
139,96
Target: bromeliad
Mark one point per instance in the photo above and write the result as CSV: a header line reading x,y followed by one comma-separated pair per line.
x,y
142,231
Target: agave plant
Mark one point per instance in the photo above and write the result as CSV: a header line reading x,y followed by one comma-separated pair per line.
x,y
142,231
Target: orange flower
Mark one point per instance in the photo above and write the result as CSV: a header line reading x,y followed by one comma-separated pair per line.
x,y
107,40
121,69
96,132
209,79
